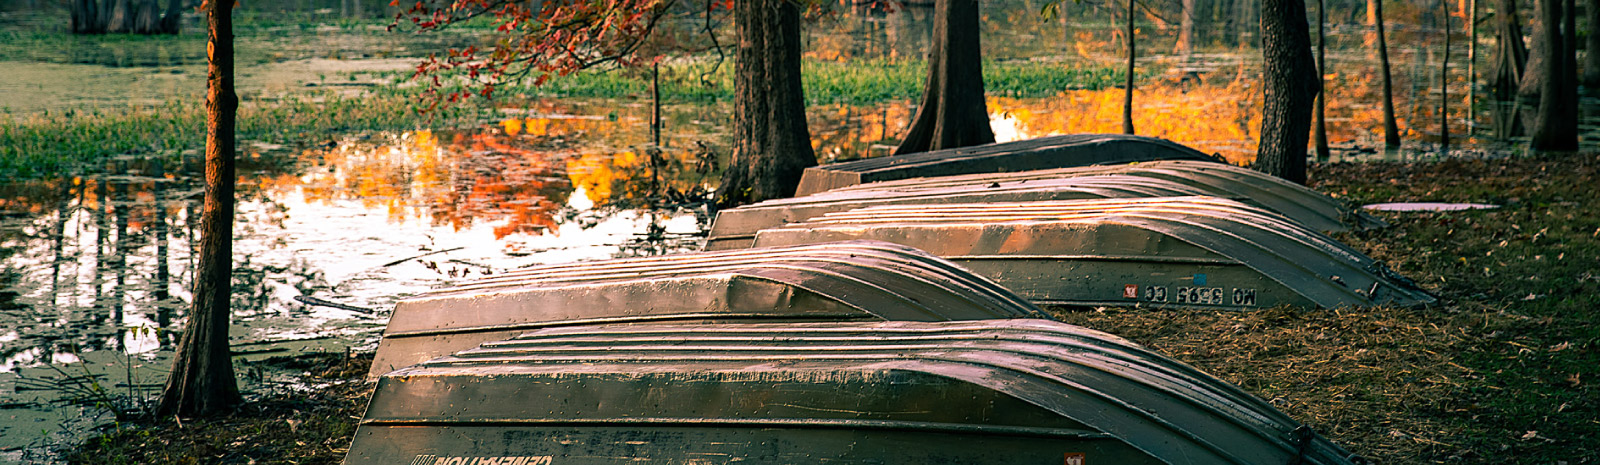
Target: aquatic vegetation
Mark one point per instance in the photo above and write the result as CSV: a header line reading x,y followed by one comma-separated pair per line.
x,y
58,143
856,82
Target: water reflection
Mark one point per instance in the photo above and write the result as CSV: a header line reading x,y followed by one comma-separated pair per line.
x,y
330,236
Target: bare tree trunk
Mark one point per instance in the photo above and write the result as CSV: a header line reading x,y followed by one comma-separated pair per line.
x,y
1510,56
1591,56
1556,127
1391,130
202,379
1127,97
1444,85
1185,45
1472,66
953,112
772,144
1320,137
1291,85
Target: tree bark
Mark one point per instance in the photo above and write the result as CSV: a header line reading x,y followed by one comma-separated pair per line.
x,y
202,380
1127,96
1291,85
1556,126
1320,137
119,16
1510,55
953,112
1534,72
772,145
1391,129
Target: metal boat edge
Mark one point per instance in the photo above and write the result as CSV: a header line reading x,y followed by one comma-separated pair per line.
x,y
1023,155
990,391
819,282
1179,252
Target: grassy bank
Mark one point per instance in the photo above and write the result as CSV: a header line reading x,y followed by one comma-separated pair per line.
x,y
1503,371
79,141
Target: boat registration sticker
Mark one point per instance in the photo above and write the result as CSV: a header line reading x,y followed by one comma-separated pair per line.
x,y
1073,458
1130,291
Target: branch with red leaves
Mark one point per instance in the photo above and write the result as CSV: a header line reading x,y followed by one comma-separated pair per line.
x,y
532,39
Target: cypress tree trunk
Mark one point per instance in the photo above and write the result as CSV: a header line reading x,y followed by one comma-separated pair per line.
x,y
1291,86
1391,130
1320,137
1510,55
86,17
1535,72
953,112
1185,44
772,145
1556,126
202,379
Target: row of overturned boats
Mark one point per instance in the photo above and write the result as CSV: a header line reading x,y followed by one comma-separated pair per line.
x,y
888,314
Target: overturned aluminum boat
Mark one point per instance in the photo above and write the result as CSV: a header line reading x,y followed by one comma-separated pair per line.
x,y
1023,155
736,227
1304,205
860,280
998,391
1180,252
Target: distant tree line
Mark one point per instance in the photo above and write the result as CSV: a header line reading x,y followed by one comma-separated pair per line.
x,y
126,16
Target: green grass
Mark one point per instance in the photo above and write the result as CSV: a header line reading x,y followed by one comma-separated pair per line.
x,y
853,83
69,142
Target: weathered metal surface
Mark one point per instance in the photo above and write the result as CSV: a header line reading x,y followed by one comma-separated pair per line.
x,y
1300,203
998,391
1182,252
736,228
1023,155
825,282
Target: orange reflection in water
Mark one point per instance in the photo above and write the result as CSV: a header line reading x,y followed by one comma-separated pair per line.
x,y
1225,117
1221,119
450,178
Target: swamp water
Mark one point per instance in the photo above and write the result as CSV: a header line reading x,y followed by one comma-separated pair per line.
x,y
333,229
